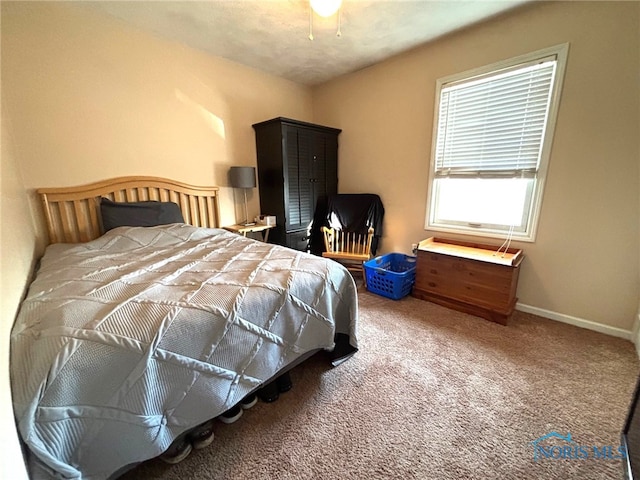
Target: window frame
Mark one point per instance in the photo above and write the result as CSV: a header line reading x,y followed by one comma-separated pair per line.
x,y
535,201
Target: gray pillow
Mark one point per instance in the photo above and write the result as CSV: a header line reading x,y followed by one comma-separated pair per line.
x,y
138,214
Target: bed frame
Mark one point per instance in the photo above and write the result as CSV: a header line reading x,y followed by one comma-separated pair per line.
x,y
73,213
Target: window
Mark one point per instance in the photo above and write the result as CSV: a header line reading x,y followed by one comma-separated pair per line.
x,y
493,131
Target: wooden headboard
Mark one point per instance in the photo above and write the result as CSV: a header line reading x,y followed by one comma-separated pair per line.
x,y
73,213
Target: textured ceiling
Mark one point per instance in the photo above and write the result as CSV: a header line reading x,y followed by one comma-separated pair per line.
x,y
272,35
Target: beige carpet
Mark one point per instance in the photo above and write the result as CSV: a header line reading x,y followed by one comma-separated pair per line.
x,y
432,394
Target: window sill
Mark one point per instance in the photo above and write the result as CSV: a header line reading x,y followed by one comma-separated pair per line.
x,y
476,232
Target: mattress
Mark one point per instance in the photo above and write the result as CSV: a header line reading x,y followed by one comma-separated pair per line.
x,y
125,342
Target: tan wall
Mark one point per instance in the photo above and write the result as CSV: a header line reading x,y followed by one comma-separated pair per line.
x,y
91,98
17,256
87,98
584,262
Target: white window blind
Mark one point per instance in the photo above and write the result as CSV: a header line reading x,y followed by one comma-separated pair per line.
x,y
494,126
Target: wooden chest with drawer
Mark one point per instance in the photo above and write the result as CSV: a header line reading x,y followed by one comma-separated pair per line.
x,y
469,277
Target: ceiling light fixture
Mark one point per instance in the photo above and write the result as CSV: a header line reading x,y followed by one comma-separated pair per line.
x,y
324,8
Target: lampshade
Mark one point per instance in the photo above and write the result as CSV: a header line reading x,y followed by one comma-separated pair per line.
x,y
242,177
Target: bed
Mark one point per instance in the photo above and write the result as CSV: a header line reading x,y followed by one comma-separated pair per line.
x,y
131,335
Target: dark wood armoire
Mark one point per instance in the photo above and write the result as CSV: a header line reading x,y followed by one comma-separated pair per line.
x,y
297,170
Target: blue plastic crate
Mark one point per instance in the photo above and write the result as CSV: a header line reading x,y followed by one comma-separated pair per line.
x,y
391,275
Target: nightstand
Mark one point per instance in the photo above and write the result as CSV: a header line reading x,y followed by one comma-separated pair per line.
x,y
244,229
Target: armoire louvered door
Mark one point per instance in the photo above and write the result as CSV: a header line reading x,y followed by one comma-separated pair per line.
x,y
297,169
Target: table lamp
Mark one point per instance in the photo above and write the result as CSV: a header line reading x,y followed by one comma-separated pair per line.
x,y
243,177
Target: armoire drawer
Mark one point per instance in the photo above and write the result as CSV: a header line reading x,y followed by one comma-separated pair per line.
x,y
298,240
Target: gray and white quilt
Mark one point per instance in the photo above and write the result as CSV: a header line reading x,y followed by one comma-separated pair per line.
x,y
127,341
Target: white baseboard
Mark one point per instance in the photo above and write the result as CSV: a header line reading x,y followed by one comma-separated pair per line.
x,y
588,324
